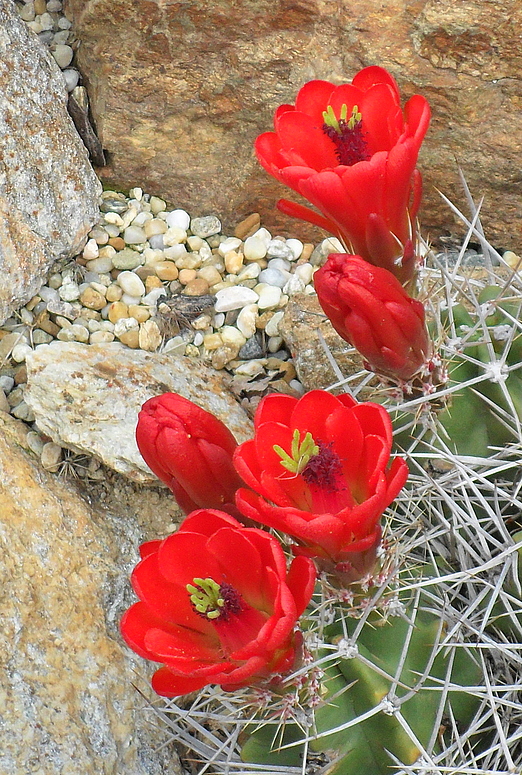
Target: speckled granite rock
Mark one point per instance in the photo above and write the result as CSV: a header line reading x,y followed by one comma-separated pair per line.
x,y
48,190
68,704
87,397
181,90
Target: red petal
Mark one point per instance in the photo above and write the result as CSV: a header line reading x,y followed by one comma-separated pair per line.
x,y
382,119
183,556
183,650
240,564
311,413
167,684
304,142
417,115
369,76
275,408
313,98
301,581
295,210
207,521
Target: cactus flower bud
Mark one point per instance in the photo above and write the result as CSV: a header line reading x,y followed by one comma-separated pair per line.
x,y
190,450
369,308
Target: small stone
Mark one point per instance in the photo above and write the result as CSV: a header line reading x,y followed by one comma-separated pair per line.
x,y
251,349
98,337
149,336
189,261
127,259
305,272
274,344
195,243
246,320
294,285
27,12
92,299
176,346
269,296
152,281
69,292
254,248
231,243
196,287
187,275
114,292
4,403
117,243
179,218
71,78
296,246
131,284
174,236
51,456
210,274
233,336
212,341
35,442
191,351
272,327
174,252
251,368
250,272
20,376
91,249
6,383
20,351
79,333
139,312
279,249
297,386
205,226
166,270
118,310
224,355
233,262
62,54
234,297
324,249
247,226
23,412
308,249
155,226
272,276
157,205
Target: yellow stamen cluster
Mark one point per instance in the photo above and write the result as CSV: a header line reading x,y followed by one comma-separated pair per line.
x,y
301,452
205,597
330,119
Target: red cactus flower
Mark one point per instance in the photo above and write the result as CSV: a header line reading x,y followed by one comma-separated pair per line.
x,y
217,605
369,308
190,450
352,152
320,466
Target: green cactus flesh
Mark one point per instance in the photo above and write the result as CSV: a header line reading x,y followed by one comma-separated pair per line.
x,y
397,663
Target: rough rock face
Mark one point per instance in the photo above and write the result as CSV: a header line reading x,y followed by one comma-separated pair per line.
x,y
68,704
180,90
48,190
87,398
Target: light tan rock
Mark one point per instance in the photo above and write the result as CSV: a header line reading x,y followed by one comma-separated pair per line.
x,y
48,190
206,79
87,397
68,703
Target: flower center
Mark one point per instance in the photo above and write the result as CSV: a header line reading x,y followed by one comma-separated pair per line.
x,y
212,600
324,469
347,135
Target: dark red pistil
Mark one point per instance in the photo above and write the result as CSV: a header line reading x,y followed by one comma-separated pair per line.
x,y
233,601
324,469
350,142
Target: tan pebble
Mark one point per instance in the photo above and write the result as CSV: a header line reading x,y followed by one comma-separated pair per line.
x,y
139,313
201,323
196,287
154,226
190,261
149,337
247,226
263,319
50,456
118,243
20,376
40,7
212,341
99,337
117,310
289,372
187,275
192,351
145,271
131,338
224,284
90,314
107,252
114,292
4,403
210,274
152,281
233,261
166,270
31,304
48,326
92,299
308,249
224,355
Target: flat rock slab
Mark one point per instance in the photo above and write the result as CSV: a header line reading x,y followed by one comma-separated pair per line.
x,y
48,189
87,398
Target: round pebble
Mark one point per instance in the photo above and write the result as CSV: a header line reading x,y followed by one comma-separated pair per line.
x,y
273,276
62,54
178,218
130,283
254,248
51,456
205,226
269,296
20,351
196,287
272,327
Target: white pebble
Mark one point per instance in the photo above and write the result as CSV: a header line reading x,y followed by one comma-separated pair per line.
x,y
235,297
128,299
175,252
272,327
229,244
151,299
134,235
294,285
69,292
99,337
273,276
62,54
254,248
141,218
123,325
275,343
64,23
263,234
34,442
50,456
250,368
46,21
102,264
176,346
91,250
296,246
269,296
178,218
80,333
130,283
246,320
136,193
20,351
174,236
128,216
298,386
113,218
304,272
250,272
71,78
198,339
48,294
219,320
